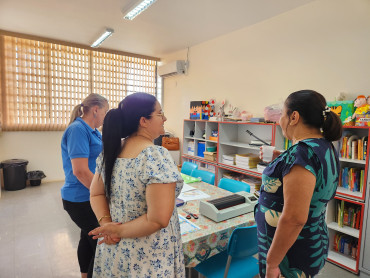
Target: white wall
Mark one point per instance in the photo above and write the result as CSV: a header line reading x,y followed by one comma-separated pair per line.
x,y
323,45
41,149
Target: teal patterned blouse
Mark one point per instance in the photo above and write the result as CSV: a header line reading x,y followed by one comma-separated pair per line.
x,y
307,255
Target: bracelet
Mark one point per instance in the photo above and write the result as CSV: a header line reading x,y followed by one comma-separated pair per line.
x,y
101,218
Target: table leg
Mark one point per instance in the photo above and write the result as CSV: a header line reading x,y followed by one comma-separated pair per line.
x,y
188,270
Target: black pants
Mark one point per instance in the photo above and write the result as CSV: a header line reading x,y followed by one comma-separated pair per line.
x,y
84,217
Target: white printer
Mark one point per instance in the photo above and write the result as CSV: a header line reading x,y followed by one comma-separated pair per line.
x,y
227,207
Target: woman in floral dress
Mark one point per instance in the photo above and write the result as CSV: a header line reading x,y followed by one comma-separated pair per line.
x,y
133,196
296,187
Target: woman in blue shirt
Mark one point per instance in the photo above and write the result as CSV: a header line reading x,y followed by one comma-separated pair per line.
x,y
81,145
296,187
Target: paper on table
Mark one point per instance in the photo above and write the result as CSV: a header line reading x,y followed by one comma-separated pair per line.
x,y
187,187
195,194
186,226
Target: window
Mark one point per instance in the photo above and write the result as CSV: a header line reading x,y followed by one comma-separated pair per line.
x,y
42,81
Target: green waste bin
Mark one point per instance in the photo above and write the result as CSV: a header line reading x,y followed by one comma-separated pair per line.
x,y
15,174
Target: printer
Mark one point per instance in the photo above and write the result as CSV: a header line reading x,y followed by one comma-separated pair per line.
x,y
228,207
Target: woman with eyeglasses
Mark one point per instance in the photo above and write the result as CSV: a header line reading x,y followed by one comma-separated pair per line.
x,y
133,195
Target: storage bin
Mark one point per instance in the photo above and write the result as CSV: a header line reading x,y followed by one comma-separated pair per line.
x,y
201,149
210,156
211,149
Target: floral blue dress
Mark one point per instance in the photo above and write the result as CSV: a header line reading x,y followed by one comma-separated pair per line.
x,y
307,255
159,254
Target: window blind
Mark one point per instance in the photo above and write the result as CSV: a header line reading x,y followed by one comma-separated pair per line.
x,y
42,81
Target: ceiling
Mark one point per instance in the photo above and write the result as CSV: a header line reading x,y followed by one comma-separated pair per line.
x,y
165,27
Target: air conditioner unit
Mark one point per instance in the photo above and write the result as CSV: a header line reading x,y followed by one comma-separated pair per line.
x,y
172,68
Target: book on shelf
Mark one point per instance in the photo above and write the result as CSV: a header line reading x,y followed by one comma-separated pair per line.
x,y
345,244
228,159
248,160
254,183
349,153
348,214
364,147
353,147
352,179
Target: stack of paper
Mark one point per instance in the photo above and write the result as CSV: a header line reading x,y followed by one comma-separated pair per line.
x,y
254,183
248,160
228,159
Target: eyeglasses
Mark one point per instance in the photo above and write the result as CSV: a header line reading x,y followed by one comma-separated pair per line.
x,y
160,115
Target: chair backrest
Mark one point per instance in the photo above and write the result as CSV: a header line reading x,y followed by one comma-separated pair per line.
x,y
206,176
188,167
243,242
233,185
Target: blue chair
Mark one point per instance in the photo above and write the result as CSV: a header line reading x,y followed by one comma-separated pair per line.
x,y
233,185
238,261
206,176
188,167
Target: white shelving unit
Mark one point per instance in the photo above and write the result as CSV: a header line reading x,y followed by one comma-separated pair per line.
x,y
232,139
351,198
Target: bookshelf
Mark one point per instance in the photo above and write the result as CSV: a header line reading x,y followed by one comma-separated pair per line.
x,y
352,193
346,251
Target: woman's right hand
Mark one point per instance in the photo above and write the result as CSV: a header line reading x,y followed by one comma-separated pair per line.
x,y
110,232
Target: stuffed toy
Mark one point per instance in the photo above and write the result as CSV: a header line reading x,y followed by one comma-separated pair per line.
x,y
362,110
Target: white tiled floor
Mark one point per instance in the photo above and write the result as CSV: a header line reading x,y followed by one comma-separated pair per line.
x,y
38,239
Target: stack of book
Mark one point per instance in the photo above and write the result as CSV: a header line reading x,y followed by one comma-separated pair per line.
x,y
246,161
352,179
191,148
254,183
345,244
348,215
228,159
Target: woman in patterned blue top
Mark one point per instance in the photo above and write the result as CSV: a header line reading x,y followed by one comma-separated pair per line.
x,y
133,195
296,187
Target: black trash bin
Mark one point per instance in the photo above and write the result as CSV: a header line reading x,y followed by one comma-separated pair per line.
x,y
15,174
35,177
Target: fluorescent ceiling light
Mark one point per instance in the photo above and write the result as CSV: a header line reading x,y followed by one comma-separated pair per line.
x,y
137,9
107,33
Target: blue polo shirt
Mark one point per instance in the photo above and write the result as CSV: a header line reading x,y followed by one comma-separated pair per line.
x,y
79,141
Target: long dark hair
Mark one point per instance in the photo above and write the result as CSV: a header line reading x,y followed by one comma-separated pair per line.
x,y
314,112
120,123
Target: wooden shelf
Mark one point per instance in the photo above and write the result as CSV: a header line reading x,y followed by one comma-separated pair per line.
x,y
345,229
356,161
342,260
349,193
252,171
240,145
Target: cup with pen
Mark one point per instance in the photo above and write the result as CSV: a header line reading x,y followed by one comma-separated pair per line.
x,y
266,150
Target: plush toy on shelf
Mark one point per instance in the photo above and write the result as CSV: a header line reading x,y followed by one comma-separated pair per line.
x,y
362,111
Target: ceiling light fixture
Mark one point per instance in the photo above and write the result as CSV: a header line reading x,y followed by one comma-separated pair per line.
x,y
137,8
107,33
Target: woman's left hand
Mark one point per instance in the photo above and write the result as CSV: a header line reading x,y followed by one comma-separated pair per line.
x,y
272,272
